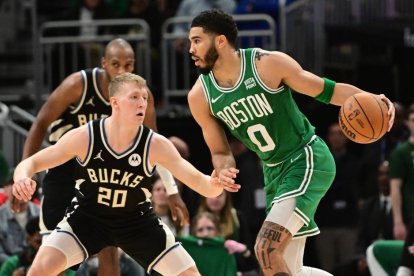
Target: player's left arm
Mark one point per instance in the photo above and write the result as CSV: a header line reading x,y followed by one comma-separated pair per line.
x,y
163,152
292,74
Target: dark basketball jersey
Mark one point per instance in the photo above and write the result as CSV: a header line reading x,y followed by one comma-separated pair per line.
x,y
91,106
114,185
58,184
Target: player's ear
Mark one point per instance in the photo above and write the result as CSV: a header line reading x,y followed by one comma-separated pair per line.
x,y
113,101
103,62
220,41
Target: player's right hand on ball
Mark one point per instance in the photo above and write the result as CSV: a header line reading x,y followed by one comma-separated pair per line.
x,y
24,188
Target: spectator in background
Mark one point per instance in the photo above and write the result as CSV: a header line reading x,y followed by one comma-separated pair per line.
x,y
161,208
406,264
375,223
208,247
402,181
337,214
191,198
233,226
375,153
12,224
18,264
392,257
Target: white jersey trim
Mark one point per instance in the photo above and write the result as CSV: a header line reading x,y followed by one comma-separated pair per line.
x,y
306,178
108,147
95,85
91,143
206,94
149,171
82,100
259,80
239,80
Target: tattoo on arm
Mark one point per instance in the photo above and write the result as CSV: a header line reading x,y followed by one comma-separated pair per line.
x,y
259,55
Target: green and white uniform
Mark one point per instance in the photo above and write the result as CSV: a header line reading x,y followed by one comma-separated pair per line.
x,y
297,163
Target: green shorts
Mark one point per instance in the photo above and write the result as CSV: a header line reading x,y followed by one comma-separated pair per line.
x,y
306,176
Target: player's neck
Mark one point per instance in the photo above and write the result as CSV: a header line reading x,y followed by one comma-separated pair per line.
x,y
119,134
227,68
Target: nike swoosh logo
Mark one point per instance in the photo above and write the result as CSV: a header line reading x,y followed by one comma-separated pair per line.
x,y
294,159
216,99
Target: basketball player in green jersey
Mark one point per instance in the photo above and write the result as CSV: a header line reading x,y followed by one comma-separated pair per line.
x,y
250,91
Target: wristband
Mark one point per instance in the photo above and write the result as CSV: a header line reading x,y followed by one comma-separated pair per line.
x,y
326,95
168,180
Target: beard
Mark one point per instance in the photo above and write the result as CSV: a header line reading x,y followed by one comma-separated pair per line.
x,y
210,59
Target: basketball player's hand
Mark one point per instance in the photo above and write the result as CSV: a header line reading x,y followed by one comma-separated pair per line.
x,y
226,179
24,188
391,110
178,209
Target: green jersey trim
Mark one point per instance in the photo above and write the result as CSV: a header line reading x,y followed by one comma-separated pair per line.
x,y
259,80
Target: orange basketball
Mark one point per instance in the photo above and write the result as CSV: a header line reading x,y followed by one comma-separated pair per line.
x,y
364,118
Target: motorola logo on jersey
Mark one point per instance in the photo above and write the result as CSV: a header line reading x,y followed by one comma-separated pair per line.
x,y
134,160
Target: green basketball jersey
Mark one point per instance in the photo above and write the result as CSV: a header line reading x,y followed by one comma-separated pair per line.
x,y
267,121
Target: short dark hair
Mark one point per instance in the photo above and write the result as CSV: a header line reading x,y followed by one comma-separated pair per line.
x,y
217,22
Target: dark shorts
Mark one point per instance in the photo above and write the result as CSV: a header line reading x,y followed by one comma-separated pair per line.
x,y
58,189
143,236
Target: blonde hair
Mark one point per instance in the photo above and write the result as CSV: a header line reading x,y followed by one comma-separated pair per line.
x,y
226,216
208,215
123,78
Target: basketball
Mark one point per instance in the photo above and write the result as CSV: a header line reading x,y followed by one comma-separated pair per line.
x,y
364,118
